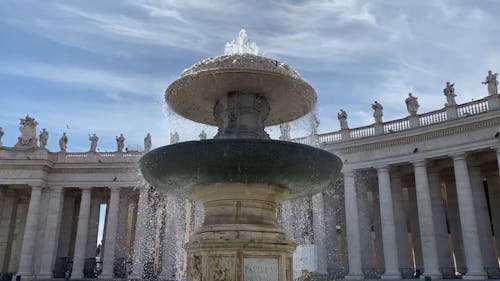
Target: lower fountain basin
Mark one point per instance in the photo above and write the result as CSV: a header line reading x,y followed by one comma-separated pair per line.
x,y
178,168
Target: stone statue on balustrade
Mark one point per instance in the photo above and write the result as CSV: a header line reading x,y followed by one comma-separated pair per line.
x,y
342,116
174,137
1,135
120,143
93,142
449,92
492,82
314,124
377,112
44,137
28,137
63,142
285,131
412,104
147,142
202,135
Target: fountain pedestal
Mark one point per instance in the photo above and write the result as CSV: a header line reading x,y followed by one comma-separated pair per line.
x,y
240,238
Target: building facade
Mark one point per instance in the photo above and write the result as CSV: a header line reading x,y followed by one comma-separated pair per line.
x,y
419,196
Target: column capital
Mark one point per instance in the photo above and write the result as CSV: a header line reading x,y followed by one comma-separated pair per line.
x,y
458,156
348,172
56,188
37,187
382,168
419,163
114,188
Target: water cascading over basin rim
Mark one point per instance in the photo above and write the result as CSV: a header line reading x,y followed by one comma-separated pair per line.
x,y
178,168
195,93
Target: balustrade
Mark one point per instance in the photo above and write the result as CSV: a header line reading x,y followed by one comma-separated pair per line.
x,y
432,117
472,108
397,125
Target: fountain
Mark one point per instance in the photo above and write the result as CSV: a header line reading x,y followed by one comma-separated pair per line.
x,y
241,175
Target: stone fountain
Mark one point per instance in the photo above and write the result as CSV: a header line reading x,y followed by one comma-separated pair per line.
x,y
241,175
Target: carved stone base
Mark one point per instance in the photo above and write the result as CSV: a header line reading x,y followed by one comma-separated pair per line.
x,y
240,239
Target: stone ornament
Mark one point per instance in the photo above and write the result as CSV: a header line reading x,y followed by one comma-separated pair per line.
x,y
202,135
63,142
120,143
285,131
147,142
492,82
412,104
342,116
449,92
314,124
44,137
220,270
1,135
174,137
93,142
28,137
377,112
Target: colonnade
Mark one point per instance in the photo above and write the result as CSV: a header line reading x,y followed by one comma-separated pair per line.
x,y
457,215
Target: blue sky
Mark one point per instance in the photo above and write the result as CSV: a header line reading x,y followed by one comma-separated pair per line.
x,y
102,66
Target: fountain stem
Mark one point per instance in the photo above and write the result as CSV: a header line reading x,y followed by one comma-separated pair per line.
x,y
241,115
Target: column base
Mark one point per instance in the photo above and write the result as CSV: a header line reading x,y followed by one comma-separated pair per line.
x,y
76,276
45,275
391,276
105,276
475,276
354,277
433,275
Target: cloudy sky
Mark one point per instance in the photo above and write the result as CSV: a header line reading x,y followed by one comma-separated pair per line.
x,y
102,66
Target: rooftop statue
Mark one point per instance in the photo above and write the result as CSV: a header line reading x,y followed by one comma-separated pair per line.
x,y
1,135
342,116
93,142
285,131
449,92
412,104
492,82
147,142
174,137
377,112
202,135
314,124
120,143
63,142
28,137
44,137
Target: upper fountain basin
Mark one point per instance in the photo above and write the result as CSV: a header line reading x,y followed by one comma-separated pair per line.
x,y
196,92
178,168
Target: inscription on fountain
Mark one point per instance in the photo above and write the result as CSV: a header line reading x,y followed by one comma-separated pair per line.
x,y
261,269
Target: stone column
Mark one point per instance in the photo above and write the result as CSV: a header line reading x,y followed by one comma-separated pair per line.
x,y
95,208
473,256
137,261
426,220
400,219
110,239
81,234
454,223
387,223
482,217
6,225
352,227
51,237
28,245
494,196
318,209
438,213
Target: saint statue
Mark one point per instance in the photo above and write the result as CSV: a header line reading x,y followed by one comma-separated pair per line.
x,y
28,137
314,124
174,138
412,104
202,135
147,142
44,137
449,92
93,142
342,116
285,131
1,135
120,143
492,82
63,142
377,112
